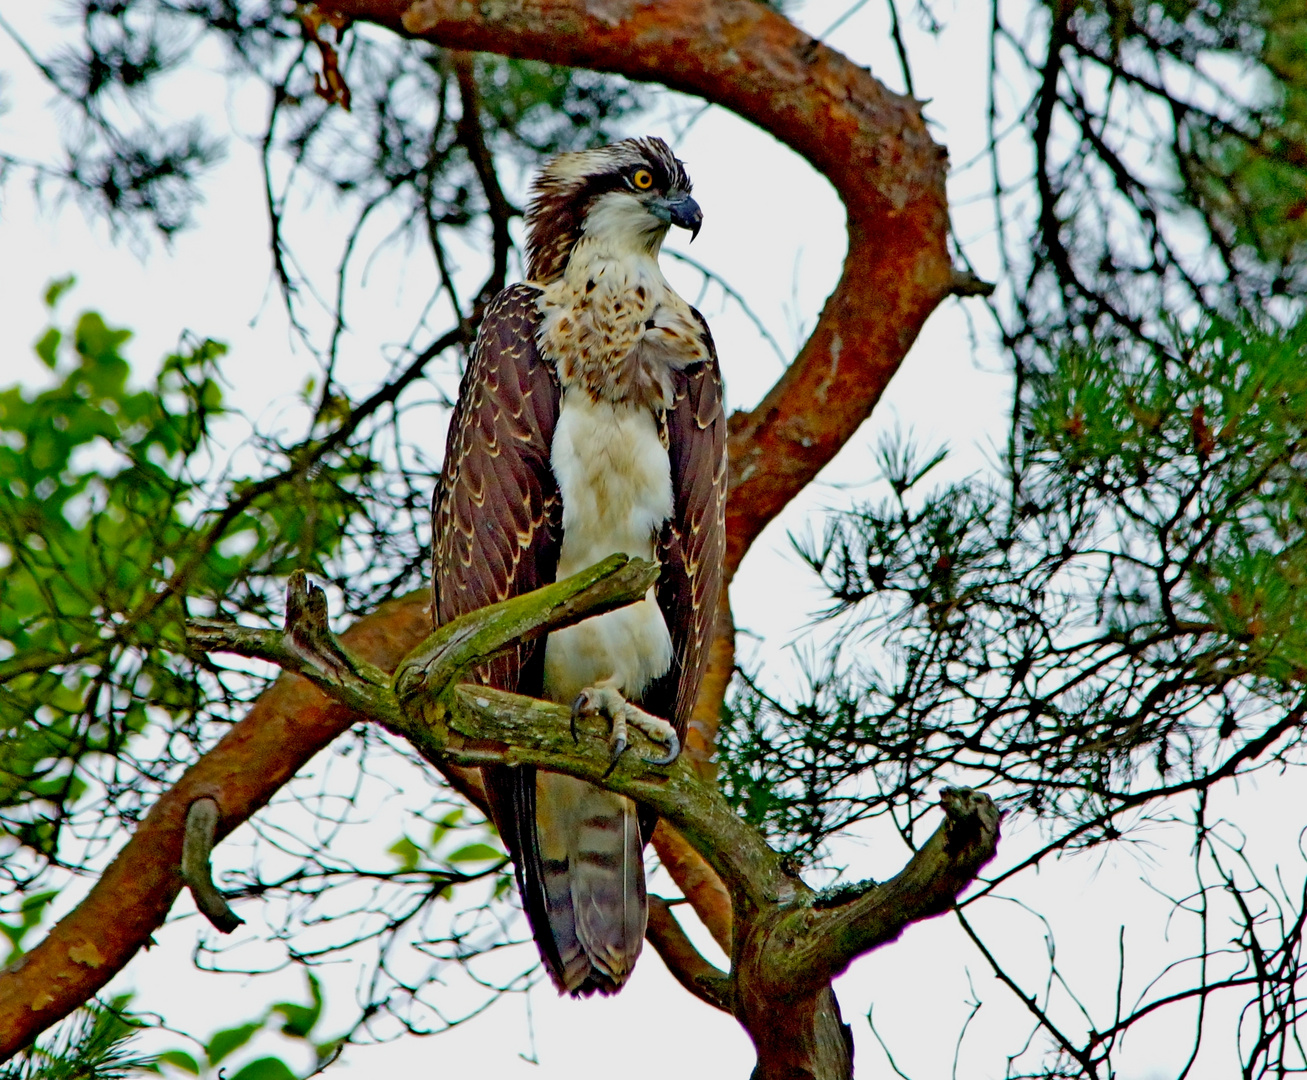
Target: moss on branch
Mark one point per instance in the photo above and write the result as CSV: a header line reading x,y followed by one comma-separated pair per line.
x,y
468,725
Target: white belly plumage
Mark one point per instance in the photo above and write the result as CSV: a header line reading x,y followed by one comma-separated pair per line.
x,y
615,480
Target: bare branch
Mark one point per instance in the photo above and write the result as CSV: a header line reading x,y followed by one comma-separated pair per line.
x,y
704,980
471,726
828,938
966,283
473,138
468,640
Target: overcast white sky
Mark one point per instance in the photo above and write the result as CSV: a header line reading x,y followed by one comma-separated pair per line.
x,y
774,230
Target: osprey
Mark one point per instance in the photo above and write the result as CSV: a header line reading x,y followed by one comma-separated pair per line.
x,y
590,422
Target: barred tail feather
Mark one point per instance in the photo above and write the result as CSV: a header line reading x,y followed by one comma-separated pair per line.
x,y
590,885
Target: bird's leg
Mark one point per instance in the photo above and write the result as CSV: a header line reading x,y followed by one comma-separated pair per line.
x,y
603,699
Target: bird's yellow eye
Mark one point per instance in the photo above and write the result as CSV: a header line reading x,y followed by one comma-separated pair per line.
x,y
642,179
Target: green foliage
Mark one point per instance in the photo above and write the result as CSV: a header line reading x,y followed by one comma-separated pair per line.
x,y
299,1020
453,827
1128,614
1249,177
116,527
228,1040
112,531
92,520
92,1044
292,1020
179,1059
1199,456
30,910
266,1068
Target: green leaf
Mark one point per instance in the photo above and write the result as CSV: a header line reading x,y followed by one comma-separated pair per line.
x,y
268,1068
474,853
224,1042
57,288
179,1059
328,1050
30,912
48,347
407,852
301,1018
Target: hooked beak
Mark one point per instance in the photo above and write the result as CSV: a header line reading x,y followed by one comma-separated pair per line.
x,y
679,210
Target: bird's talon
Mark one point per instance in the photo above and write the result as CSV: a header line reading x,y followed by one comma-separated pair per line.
x,y
576,712
619,748
673,752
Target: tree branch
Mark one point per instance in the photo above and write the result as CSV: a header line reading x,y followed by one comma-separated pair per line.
x,y
473,138
479,635
463,725
697,880
823,942
197,846
704,980
471,725
477,725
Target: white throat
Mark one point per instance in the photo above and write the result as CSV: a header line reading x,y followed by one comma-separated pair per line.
x,y
619,226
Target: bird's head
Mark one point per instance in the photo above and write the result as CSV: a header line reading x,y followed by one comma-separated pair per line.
x,y
628,194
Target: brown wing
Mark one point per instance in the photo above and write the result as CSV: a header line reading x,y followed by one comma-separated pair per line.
x,y
497,512
692,546
497,526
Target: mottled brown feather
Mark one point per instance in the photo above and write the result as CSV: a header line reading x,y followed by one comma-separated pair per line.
x,y
497,525
692,546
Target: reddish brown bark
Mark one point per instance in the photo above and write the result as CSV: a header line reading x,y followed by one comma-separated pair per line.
x,y
697,881
873,147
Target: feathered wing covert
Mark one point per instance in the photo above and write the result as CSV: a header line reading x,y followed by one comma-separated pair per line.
x,y
497,533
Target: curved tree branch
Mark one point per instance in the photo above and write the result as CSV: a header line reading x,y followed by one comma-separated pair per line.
x,y
836,934
786,959
197,846
871,143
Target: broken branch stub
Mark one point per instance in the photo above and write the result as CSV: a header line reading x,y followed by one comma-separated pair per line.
x,y
197,872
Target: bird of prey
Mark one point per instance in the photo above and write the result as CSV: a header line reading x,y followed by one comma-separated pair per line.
x,y
589,422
